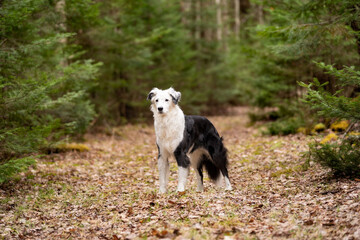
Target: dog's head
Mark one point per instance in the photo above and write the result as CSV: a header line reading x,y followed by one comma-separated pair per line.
x,y
163,100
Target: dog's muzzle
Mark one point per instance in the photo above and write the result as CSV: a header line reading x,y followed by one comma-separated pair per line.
x,y
160,109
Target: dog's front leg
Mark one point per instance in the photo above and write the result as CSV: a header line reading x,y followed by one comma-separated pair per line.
x,y
164,171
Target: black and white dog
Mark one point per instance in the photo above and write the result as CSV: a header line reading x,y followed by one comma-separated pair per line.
x,y
192,140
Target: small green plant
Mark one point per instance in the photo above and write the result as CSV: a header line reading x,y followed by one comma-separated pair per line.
x,y
343,158
10,168
284,126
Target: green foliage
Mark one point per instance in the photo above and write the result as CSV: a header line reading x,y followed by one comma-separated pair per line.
x,y
335,105
286,119
279,53
144,44
343,158
284,126
44,86
10,168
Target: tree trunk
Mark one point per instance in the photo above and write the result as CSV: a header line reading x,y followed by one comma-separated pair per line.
x,y
237,19
218,20
260,14
197,23
226,22
60,8
185,8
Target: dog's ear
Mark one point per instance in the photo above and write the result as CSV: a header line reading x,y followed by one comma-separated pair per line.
x,y
152,93
176,96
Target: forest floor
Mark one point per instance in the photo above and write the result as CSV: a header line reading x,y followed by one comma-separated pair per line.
x,y
111,192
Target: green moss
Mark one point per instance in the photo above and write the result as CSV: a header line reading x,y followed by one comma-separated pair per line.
x,y
340,126
328,138
320,127
66,147
287,171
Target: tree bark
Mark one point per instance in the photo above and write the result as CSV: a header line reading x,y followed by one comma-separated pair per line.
x,y
198,23
260,14
237,19
226,23
185,8
218,20
60,8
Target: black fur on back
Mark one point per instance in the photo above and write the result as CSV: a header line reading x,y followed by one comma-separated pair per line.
x,y
201,133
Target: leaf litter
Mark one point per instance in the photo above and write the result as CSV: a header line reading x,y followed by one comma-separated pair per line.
x,y
111,192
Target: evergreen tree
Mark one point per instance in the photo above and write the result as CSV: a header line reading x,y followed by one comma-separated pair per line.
x,y
342,156
43,88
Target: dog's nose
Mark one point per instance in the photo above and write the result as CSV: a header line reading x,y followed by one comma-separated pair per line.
x,y
160,109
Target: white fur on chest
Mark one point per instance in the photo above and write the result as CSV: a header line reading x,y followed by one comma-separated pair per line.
x,y
169,129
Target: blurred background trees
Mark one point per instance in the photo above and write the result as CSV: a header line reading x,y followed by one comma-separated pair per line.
x,y
68,64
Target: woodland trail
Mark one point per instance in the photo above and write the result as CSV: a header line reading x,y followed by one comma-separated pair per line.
x,y
110,192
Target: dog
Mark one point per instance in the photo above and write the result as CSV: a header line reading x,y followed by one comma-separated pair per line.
x,y
191,140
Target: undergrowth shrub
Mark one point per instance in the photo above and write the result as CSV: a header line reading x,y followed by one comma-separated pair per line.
x,y
284,126
285,120
14,166
342,157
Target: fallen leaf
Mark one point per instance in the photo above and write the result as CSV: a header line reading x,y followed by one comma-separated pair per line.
x,y
130,211
114,237
308,222
171,202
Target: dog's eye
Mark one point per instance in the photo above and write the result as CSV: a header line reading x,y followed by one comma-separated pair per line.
x,y
166,100
157,100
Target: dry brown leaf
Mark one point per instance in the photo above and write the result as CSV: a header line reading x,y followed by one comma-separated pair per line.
x,y
130,211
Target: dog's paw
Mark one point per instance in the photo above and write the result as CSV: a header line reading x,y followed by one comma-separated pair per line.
x,y
162,190
180,189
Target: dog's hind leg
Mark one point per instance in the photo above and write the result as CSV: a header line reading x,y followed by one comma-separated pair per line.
x,y
184,166
224,172
218,154
199,178
197,159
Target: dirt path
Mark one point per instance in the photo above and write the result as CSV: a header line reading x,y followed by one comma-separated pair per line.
x,y
110,192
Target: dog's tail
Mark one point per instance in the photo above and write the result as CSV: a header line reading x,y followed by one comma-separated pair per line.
x,y
212,170
218,154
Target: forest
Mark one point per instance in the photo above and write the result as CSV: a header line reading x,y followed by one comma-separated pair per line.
x,y
279,79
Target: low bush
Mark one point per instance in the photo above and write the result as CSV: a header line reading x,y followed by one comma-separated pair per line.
x,y
340,154
10,168
284,126
343,158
